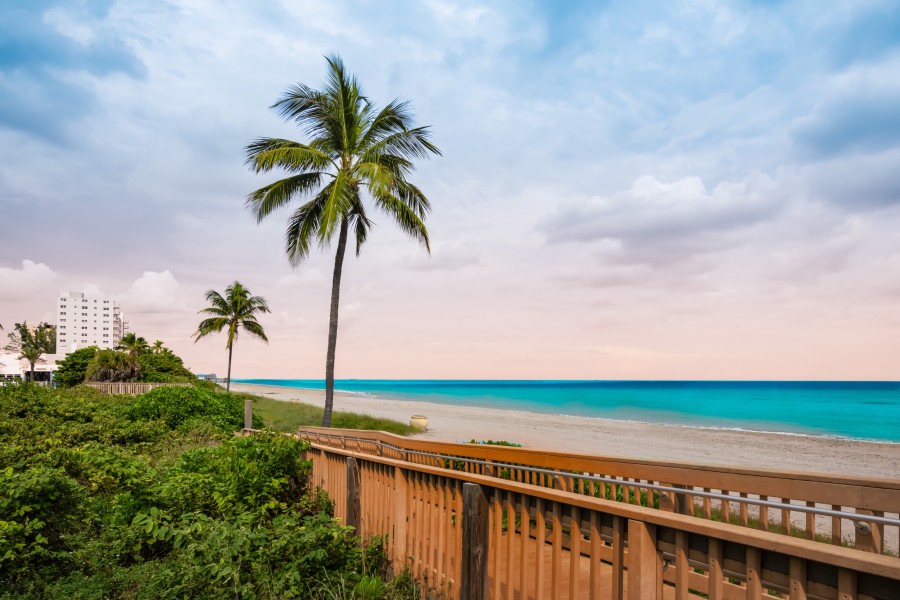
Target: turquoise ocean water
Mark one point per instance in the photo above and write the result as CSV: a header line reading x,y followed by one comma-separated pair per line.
x,y
862,410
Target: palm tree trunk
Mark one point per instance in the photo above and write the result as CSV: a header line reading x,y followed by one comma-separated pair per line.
x,y
333,323
228,381
32,371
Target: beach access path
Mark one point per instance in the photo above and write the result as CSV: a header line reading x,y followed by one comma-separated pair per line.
x,y
608,437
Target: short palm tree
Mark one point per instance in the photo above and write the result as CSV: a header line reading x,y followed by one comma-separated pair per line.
x,y
158,347
32,342
353,148
133,345
234,311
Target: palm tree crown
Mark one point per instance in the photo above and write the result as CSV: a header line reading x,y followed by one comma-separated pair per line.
x,y
133,345
236,310
353,148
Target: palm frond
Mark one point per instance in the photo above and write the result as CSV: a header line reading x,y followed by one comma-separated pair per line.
x,y
381,179
270,198
408,143
342,194
413,197
256,330
208,326
303,227
405,217
265,154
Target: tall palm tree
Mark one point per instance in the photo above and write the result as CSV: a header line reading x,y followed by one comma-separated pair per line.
x,y
158,347
353,148
133,345
236,310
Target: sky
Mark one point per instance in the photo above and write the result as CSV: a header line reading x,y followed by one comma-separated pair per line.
x,y
654,190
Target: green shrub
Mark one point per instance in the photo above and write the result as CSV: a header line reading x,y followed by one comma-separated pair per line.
x,y
260,474
72,370
179,405
164,367
112,365
154,497
38,507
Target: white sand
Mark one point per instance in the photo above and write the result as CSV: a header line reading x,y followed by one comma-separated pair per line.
x,y
618,438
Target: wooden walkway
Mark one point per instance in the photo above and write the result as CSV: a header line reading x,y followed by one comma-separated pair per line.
x,y
479,531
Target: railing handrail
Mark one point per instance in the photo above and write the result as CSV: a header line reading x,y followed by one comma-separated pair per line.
x,y
840,556
413,443
870,493
658,487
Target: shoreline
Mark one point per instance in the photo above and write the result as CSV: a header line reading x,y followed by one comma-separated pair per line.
x,y
620,438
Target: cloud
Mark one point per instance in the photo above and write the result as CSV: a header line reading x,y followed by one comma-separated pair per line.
x,y
858,114
857,183
48,55
32,280
153,293
652,213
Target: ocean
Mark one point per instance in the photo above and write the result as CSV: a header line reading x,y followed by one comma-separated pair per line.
x,y
867,410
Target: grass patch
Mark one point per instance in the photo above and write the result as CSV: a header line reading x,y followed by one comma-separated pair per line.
x,y
288,416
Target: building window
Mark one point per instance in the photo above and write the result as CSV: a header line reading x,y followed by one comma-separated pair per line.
x,y
62,312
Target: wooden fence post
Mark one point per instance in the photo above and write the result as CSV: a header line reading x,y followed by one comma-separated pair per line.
x,y
644,562
681,502
474,543
401,494
248,414
353,510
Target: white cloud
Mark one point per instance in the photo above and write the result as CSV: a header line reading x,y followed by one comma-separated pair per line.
x,y
652,212
33,279
152,293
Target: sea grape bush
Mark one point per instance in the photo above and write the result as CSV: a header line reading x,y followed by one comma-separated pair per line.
x,y
154,497
177,406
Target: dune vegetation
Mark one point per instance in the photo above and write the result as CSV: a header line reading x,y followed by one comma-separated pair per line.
x,y
154,496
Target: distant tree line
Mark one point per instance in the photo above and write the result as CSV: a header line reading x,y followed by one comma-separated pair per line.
x,y
132,360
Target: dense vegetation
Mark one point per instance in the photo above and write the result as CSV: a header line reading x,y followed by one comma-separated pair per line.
x,y
153,497
130,364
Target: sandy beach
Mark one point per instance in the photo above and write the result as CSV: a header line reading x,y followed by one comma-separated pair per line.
x,y
618,438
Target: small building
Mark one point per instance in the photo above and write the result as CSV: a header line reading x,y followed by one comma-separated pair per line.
x,y
10,367
14,368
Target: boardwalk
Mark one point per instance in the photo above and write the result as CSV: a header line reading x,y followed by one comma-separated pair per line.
x,y
580,532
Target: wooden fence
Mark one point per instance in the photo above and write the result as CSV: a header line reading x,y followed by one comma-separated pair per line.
x,y
854,511
464,534
131,388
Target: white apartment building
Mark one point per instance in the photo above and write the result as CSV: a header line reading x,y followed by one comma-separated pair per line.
x,y
83,321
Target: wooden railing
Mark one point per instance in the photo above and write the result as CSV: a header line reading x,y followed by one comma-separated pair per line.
x,y
132,388
854,511
469,535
